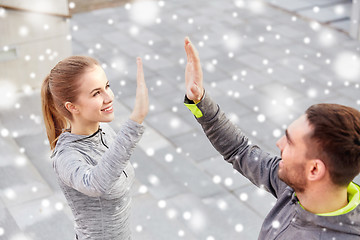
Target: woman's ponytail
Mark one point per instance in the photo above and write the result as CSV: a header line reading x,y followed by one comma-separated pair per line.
x,y
54,121
59,87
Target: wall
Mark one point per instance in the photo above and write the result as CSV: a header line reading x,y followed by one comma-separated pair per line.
x,y
355,20
31,43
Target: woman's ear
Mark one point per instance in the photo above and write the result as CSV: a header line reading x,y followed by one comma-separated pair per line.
x,y
71,108
316,170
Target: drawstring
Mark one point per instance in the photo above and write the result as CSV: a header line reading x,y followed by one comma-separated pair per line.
x,y
102,138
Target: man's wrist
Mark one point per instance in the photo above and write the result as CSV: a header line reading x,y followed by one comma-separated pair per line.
x,y
202,97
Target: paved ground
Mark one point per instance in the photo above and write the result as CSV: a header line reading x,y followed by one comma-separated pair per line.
x,y
335,13
261,64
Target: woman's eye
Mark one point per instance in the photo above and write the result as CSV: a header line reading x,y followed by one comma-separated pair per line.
x,y
96,93
108,85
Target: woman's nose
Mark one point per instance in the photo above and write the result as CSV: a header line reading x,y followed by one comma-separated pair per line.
x,y
108,96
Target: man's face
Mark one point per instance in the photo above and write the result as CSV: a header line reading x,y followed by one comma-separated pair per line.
x,y
293,147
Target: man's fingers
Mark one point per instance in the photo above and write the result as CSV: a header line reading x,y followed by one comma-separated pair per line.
x,y
196,91
187,50
191,51
187,40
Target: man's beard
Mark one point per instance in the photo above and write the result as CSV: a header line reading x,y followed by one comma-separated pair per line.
x,y
294,178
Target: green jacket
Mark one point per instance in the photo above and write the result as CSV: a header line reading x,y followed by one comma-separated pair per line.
x,y
287,219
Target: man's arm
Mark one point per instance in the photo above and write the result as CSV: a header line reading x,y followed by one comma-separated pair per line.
x,y
258,166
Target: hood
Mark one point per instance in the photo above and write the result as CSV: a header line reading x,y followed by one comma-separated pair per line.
x,y
348,222
82,142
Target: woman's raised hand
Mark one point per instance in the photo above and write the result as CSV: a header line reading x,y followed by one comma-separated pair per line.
x,y
141,107
193,73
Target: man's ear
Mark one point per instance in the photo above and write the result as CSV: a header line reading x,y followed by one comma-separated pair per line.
x,y
71,108
316,169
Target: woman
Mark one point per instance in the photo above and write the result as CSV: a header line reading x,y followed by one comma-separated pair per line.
x,y
91,161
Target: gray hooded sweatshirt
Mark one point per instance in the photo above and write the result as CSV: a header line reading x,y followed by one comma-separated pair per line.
x,y
95,176
287,220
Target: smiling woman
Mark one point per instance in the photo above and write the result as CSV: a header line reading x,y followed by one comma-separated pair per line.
x,y
90,160
93,104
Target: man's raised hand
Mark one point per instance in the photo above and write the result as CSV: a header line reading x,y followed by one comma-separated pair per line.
x,y
193,73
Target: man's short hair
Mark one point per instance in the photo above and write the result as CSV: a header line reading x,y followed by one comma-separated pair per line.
x,y
335,140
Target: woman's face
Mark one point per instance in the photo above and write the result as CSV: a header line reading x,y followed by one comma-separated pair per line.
x,y
95,100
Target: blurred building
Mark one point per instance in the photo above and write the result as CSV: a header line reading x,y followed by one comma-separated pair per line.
x,y
35,35
355,20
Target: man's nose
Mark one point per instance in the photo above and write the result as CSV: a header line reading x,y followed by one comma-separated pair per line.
x,y
280,142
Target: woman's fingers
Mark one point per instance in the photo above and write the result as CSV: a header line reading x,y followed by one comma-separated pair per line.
x,y
140,71
142,100
141,85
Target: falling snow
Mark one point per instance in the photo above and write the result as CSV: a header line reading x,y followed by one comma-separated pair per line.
x,y
144,12
347,66
179,179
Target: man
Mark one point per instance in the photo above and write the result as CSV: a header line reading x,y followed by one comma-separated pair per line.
x,y
312,181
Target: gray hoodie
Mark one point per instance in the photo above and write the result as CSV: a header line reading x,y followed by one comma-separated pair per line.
x,y
287,220
95,175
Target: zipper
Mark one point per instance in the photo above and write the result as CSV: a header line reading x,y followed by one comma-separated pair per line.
x,y
101,132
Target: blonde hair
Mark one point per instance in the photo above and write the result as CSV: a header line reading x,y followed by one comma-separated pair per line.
x,y
59,87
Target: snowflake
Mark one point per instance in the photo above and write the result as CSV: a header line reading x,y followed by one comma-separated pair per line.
x,y
181,233
187,215
289,101
228,182
347,66
144,12
154,180
4,132
277,133
72,5
244,197
139,228
2,12
150,152
326,38
275,224
261,118
169,157
171,213
143,189
175,123
222,205
217,179
20,161
239,227
59,206
162,204
311,93
45,203
232,41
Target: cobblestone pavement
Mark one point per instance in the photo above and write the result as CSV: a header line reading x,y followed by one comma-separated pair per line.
x,y
262,65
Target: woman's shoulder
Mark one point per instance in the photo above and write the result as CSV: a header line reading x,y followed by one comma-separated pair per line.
x,y
65,147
